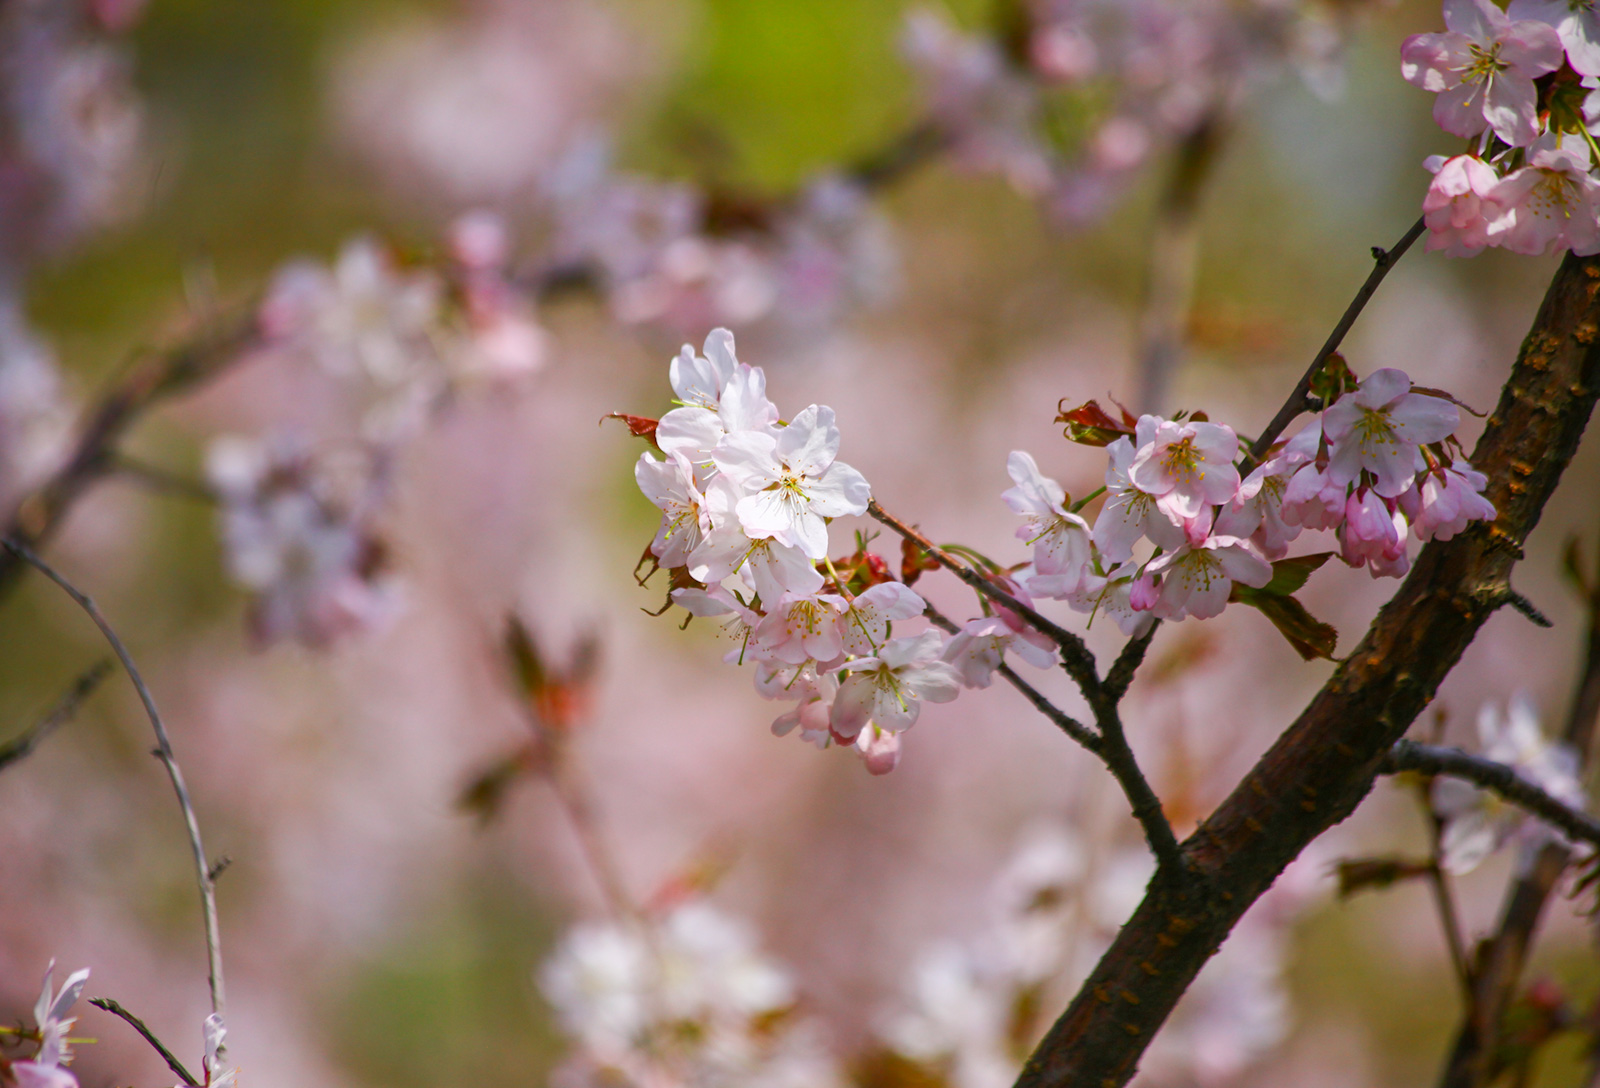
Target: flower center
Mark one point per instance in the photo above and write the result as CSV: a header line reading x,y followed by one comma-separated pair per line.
x,y
1182,459
1484,64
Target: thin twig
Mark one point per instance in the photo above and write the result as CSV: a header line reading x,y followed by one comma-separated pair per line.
x,y
138,1025
1076,657
163,752
1408,755
162,480
66,706
1444,898
1383,260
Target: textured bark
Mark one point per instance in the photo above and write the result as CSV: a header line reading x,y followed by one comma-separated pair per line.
x,y
1324,764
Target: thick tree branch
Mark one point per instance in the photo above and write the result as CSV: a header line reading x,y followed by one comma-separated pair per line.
x,y
24,743
163,752
1383,260
1324,764
1431,759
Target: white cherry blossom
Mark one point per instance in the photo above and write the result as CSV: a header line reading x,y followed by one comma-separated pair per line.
x,y
1197,579
890,688
1061,539
978,649
670,486
1186,466
864,622
1129,511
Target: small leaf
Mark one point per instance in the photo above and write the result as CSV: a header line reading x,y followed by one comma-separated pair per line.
x,y
527,667
1091,425
1288,575
638,426
1310,637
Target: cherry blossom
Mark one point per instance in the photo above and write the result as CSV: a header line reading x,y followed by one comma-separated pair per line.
x,y
890,687
1197,579
1454,208
1576,22
1060,539
769,566
1186,466
791,481
1482,69
800,628
670,486
45,1070
1552,203
864,621
215,1035
879,749
1112,594
980,646
1256,510
1378,429
1447,499
1373,531
1130,512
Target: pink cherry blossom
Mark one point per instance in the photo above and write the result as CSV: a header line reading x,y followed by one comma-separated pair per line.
x,y
863,623
716,600
1449,498
879,749
1379,428
1112,594
1482,69
1256,511
39,1075
890,688
768,566
801,627
1576,22
1186,466
1197,579
791,482
670,486
1060,539
807,683
1374,532
1454,207
980,646
1129,511
1550,204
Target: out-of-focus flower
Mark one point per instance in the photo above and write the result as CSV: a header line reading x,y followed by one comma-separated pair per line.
x,y
692,1002
299,536
1577,24
34,415
1477,822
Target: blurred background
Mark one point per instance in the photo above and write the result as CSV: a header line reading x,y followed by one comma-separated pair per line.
x,y
376,933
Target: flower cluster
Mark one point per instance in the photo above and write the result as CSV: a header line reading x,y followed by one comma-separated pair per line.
x,y
1376,467
1477,822
47,1067
1071,101
745,500
669,254
1520,85
685,998
299,535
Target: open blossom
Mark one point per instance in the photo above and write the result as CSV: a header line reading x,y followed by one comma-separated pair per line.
x,y
52,1024
1130,512
791,482
670,486
1111,595
1576,22
1477,822
1060,539
1197,579
890,688
806,682
1551,203
864,622
718,401
769,566
1256,510
1379,427
1186,466
801,627
1454,208
1482,69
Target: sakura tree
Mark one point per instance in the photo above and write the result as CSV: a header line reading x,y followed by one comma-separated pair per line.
x,y
369,426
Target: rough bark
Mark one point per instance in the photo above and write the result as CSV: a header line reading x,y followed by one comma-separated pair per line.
x,y
1324,764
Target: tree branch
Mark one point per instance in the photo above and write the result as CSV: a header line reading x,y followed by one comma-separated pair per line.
x,y
1383,260
138,1025
163,752
1324,764
20,746
1431,759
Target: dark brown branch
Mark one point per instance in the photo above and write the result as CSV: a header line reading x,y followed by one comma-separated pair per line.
x,y
1324,764
1120,675
1473,1058
1498,778
138,1025
20,746
1383,260
163,752
1119,757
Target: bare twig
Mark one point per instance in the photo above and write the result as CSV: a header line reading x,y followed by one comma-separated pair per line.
x,y
163,752
1383,260
66,706
162,480
138,1025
